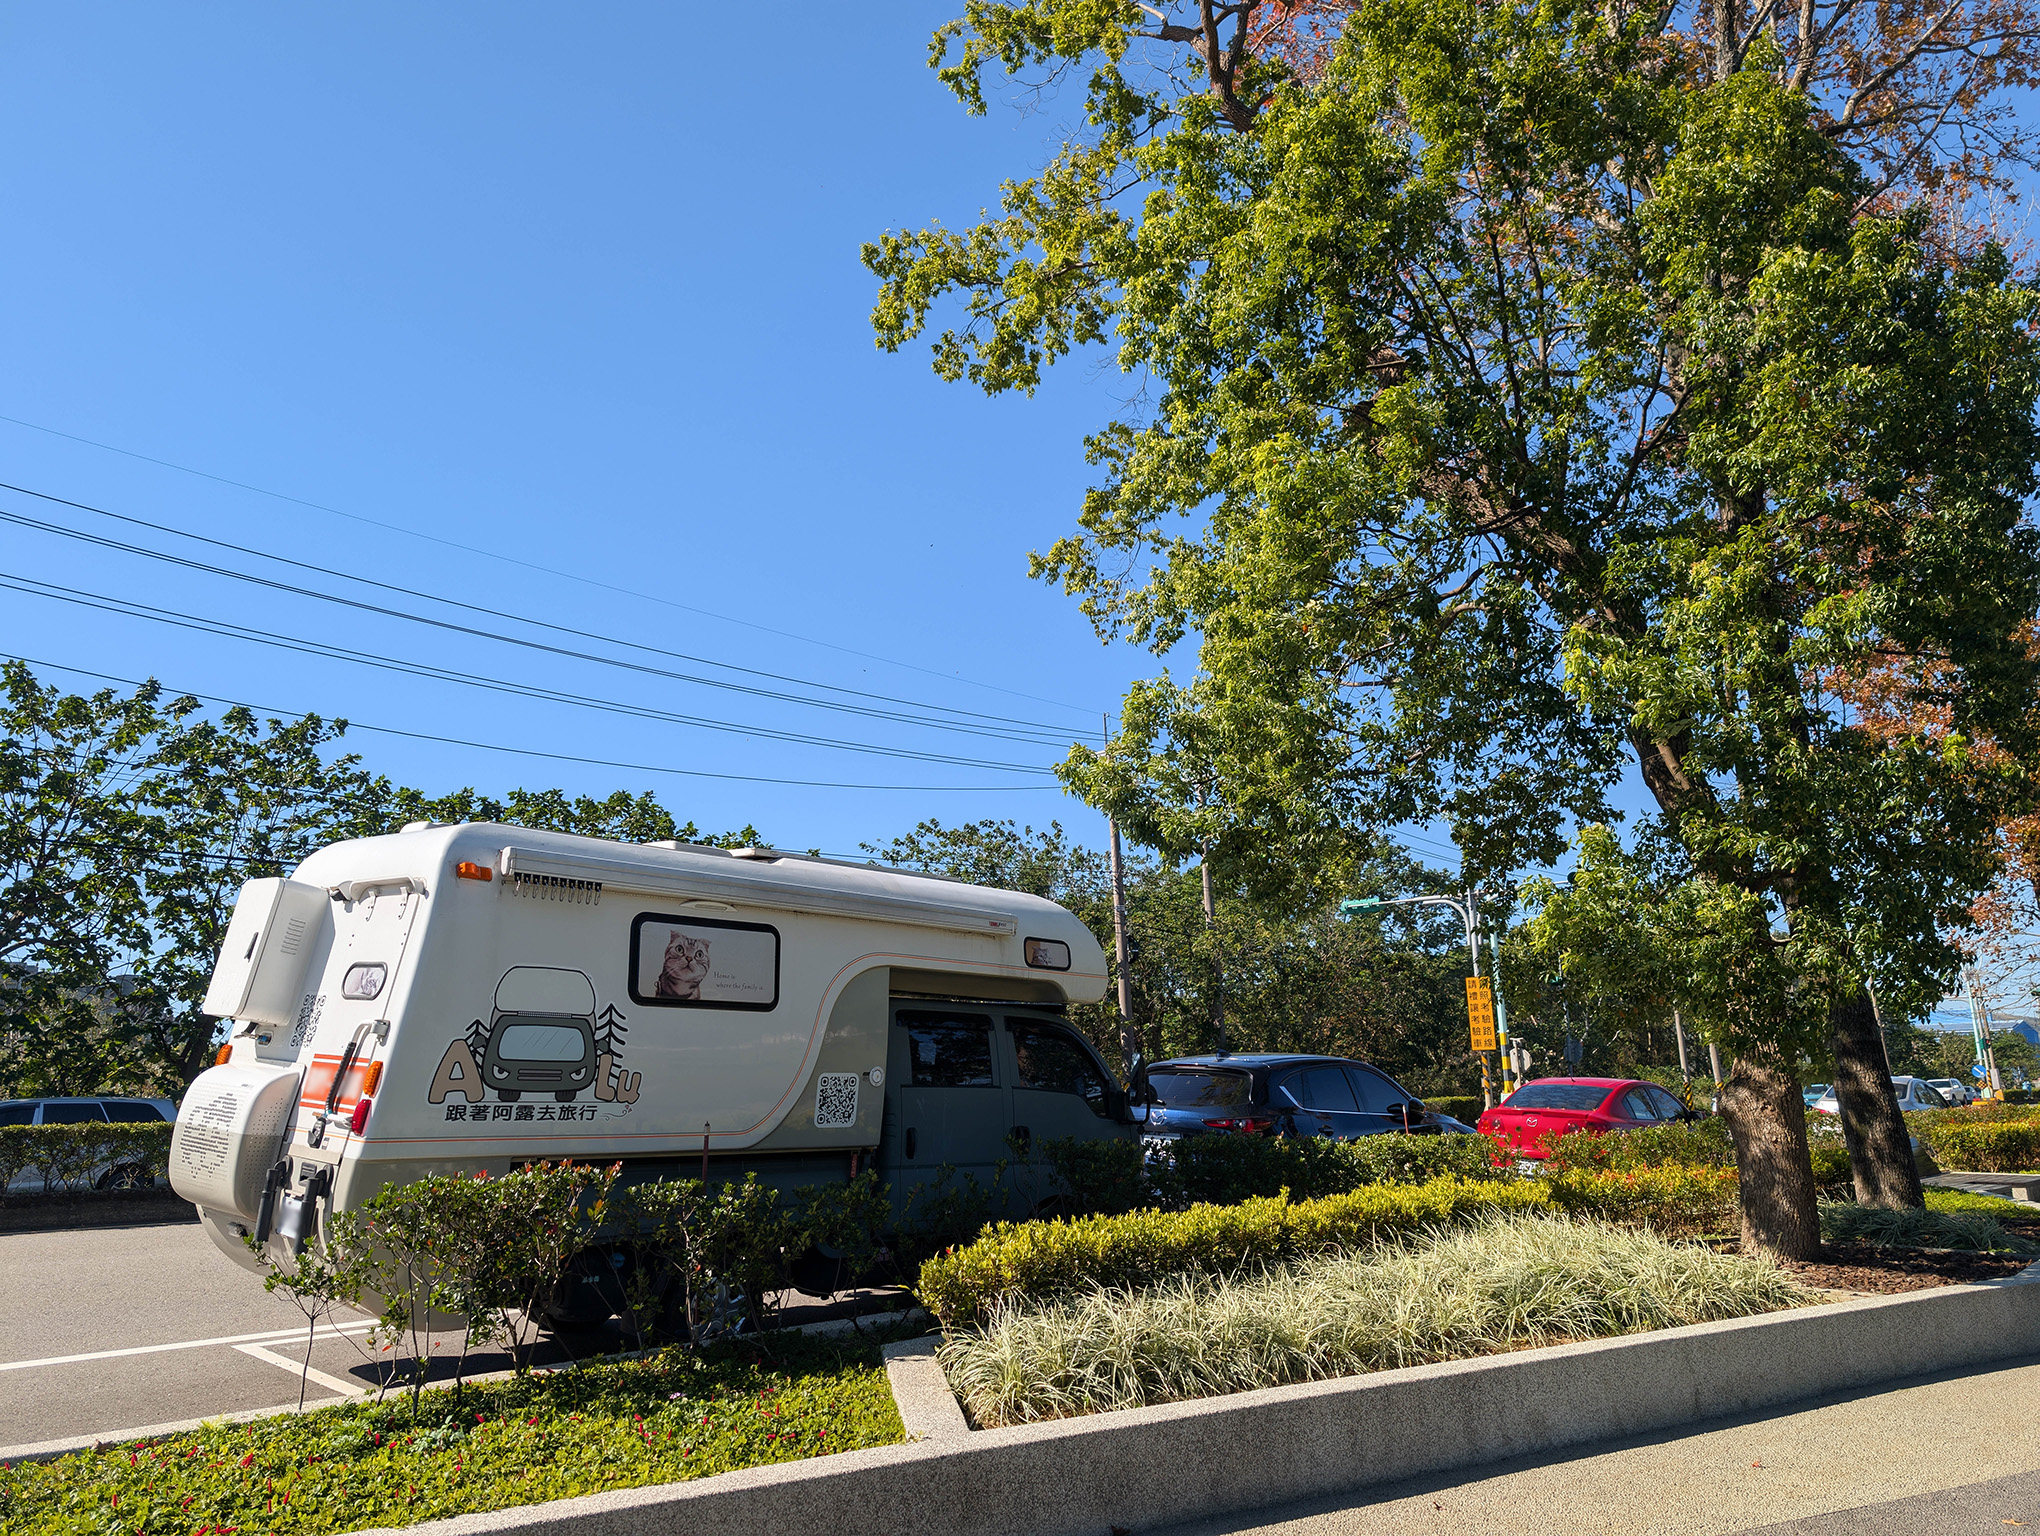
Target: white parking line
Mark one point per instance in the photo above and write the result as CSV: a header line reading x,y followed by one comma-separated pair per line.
x,y
271,1336
297,1368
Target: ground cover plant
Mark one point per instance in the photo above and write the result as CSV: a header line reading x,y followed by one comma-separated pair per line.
x,y
1509,1283
679,1414
1964,1200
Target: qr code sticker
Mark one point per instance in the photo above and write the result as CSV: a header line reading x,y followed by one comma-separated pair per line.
x,y
835,1101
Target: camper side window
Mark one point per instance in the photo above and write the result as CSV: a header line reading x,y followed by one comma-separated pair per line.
x,y
950,1052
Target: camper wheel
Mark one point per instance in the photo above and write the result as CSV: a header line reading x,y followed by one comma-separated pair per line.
x,y
567,1097
509,1095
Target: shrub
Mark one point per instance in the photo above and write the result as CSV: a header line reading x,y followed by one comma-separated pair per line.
x,y
1507,1284
1043,1259
1460,1106
1674,1200
1690,1144
1969,1230
72,1157
1985,1146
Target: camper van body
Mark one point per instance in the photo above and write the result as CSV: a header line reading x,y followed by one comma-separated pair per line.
x,y
495,996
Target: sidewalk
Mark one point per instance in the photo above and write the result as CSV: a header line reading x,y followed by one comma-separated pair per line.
x,y
1948,1454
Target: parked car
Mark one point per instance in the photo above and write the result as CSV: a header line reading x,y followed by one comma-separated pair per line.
x,y
1953,1089
1282,1095
1556,1105
1913,1093
1812,1092
86,1111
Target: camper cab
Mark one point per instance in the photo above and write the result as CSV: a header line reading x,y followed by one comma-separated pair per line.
x,y
476,997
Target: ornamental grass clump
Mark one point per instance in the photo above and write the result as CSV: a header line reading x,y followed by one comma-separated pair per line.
x,y
1509,1283
1972,1231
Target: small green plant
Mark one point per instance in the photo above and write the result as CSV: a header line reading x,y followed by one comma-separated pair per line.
x,y
1509,1283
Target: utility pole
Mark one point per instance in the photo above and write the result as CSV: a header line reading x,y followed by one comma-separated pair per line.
x,y
1468,909
1714,1060
1501,1015
1679,1034
1217,955
1979,1025
1122,950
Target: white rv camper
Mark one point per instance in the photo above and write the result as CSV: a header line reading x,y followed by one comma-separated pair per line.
x,y
460,998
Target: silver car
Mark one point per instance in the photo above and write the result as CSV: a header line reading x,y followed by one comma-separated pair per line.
x,y
1953,1089
1914,1093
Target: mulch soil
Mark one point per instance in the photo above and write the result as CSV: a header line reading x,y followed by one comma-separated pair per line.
x,y
1867,1267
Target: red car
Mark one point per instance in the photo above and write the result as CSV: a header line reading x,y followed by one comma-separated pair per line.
x,y
1554,1105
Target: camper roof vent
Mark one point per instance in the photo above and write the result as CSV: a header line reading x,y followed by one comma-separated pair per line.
x,y
763,855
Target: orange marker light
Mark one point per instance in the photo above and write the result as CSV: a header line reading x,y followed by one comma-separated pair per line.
x,y
368,1083
226,1054
468,870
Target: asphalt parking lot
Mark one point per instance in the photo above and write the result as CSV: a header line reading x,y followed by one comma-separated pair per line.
x,y
117,1328
109,1329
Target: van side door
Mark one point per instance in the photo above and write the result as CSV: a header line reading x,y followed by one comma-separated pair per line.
x,y
1059,1089
955,1106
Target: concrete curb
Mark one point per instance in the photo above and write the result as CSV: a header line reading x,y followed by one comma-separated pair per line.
x,y
1148,1467
927,1407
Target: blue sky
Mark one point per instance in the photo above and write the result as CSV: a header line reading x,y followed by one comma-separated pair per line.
x,y
578,287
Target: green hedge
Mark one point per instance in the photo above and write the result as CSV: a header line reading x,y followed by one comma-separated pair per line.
x,y
1986,1146
1038,1260
70,1157
1460,1106
1115,1176
1027,1261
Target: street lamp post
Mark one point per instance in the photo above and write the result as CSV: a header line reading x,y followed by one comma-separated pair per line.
x,y
1469,915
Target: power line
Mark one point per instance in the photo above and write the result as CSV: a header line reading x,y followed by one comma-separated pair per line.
x,y
1033,732
178,619
546,570
561,757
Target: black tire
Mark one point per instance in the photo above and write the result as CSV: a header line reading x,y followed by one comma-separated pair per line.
x,y
125,1176
509,1095
567,1097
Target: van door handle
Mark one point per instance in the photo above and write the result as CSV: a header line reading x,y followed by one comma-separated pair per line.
x,y
910,1143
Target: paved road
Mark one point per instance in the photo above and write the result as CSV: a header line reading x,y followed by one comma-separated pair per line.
x,y
1955,1454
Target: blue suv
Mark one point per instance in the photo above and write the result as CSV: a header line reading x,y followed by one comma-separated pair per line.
x,y
1268,1095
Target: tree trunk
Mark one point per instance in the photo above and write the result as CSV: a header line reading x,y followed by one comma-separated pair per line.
x,y
1880,1147
1767,1118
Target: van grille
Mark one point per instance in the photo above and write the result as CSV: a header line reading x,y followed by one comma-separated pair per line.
x,y
556,888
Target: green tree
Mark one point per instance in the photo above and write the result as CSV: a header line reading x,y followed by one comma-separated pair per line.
x,y
1293,979
1536,396
127,828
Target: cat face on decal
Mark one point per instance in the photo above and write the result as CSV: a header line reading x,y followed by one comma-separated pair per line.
x,y
685,966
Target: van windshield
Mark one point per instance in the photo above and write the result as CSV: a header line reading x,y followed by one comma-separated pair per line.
x,y
1177,1088
541,1042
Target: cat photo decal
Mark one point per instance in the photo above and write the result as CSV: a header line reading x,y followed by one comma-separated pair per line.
x,y
681,961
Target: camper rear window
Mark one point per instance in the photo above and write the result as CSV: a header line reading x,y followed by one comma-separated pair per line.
x,y
681,961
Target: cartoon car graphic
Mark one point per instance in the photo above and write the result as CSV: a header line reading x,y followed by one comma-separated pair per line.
x,y
541,1035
